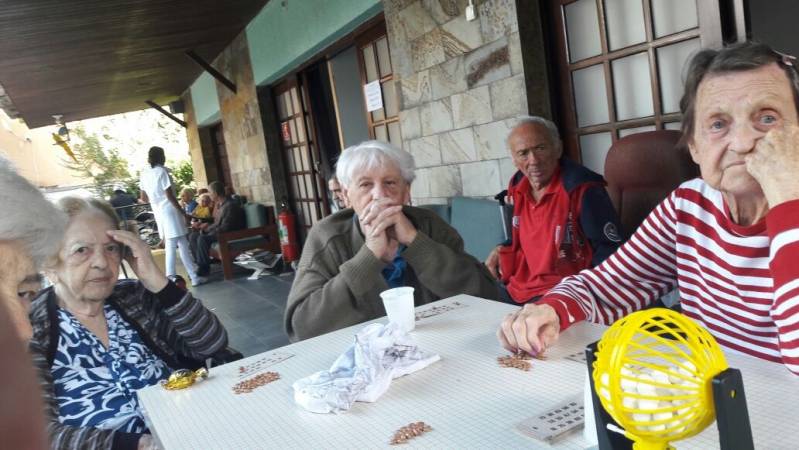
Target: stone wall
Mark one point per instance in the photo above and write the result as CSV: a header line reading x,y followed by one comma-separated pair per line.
x,y
198,163
462,84
241,121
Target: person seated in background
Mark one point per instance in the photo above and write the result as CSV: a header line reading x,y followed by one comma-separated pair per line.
x,y
97,339
204,209
563,219
187,201
728,240
377,244
28,237
122,202
228,216
337,200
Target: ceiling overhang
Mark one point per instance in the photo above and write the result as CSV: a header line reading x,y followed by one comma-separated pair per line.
x,y
99,57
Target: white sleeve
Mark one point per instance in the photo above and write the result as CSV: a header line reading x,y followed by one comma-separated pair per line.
x,y
163,182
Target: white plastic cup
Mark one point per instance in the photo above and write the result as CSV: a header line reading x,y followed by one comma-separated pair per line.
x,y
399,307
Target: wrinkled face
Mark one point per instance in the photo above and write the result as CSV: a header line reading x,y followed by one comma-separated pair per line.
x,y
733,112
15,280
384,182
90,259
335,189
534,153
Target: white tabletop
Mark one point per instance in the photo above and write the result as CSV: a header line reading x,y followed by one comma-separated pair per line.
x,y
466,397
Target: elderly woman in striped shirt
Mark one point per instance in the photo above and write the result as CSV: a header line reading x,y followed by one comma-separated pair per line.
x,y
729,241
97,340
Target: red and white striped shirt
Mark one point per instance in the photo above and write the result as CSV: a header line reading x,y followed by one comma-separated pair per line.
x,y
741,283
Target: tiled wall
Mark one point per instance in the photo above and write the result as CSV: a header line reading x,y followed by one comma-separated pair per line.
x,y
462,83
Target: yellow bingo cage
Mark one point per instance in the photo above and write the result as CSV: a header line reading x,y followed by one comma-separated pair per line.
x,y
662,377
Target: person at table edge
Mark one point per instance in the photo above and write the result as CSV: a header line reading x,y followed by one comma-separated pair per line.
x,y
97,340
563,219
377,243
728,240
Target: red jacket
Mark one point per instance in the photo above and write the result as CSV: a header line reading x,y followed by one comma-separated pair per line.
x,y
580,233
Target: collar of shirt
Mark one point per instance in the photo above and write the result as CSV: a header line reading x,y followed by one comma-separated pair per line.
x,y
550,189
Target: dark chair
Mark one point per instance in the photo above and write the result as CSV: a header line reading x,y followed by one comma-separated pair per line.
x,y
261,232
642,169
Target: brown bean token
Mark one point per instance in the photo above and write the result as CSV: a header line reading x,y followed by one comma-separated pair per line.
x,y
409,431
519,361
250,384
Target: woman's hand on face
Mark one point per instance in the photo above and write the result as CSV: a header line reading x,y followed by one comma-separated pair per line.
x,y
774,163
140,260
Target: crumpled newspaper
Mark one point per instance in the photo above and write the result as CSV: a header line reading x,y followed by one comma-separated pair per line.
x,y
364,372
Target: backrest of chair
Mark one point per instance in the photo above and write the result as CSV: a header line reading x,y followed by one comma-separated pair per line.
x,y
258,215
441,210
479,223
642,169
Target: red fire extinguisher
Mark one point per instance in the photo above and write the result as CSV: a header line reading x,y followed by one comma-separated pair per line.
x,y
288,237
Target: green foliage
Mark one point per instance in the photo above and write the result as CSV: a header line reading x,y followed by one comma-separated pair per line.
x,y
182,175
104,167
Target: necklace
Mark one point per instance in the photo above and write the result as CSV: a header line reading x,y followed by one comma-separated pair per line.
x,y
82,314
85,314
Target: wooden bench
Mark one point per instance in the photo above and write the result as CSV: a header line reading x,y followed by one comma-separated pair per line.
x,y
261,232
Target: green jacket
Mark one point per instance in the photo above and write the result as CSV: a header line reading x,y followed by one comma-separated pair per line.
x,y
339,279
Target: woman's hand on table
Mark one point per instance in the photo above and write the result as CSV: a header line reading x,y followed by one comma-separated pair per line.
x,y
774,163
140,260
533,329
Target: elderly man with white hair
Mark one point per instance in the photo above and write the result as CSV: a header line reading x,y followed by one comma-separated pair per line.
x,y
30,232
376,244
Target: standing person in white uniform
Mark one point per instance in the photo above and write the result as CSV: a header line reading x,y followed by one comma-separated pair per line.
x,y
156,187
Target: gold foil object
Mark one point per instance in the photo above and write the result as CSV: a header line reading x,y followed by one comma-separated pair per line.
x,y
183,378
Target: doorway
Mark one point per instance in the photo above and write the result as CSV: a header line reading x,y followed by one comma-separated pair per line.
x,y
300,151
219,151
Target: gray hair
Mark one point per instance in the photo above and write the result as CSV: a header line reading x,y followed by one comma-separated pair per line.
x,y
372,154
554,135
30,219
71,207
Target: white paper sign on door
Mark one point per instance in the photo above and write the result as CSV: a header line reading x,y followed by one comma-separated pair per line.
x,y
373,95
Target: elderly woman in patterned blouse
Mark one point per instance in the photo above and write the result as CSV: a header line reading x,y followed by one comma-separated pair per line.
x,y
97,340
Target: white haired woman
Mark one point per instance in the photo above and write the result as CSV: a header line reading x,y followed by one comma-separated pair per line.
x,y
28,235
729,241
377,243
97,340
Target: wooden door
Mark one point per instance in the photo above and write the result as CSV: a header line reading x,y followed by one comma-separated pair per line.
x,y
374,60
620,65
220,155
300,154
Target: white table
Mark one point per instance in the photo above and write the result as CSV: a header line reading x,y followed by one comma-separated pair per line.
x,y
466,397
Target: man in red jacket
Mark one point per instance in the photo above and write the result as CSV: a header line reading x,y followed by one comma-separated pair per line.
x,y
563,219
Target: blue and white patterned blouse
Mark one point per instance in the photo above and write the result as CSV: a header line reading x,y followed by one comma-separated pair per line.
x,y
96,387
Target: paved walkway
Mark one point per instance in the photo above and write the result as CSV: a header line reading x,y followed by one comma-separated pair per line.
x,y
252,310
